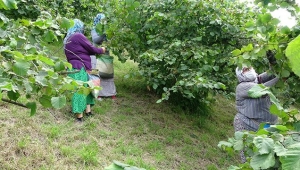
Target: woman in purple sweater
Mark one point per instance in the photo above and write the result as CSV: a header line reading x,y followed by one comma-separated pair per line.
x,y
78,50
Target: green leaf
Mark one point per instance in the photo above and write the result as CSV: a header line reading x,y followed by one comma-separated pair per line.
x,y
247,48
280,113
32,107
265,18
250,26
238,135
293,54
275,21
13,43
3,18
234,168
59,66
291,160
100,29
58,102
27,86
285,30
121,164
41,79
113,167
246,55
13,95
297,126
6,86
65,23
264,161
279,149
49,36
264,145
216,68
21,67
45,101
258,91
236,52
238,145
10,4
223,144
25,22
280,127
285,73
46,60
17,54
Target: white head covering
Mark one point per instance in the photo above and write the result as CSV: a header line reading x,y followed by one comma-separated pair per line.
x,y
249,76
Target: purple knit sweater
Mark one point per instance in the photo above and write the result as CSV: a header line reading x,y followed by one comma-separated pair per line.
x,y
78,51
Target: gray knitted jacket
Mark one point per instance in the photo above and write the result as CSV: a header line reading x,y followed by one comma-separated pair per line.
x,y
256,110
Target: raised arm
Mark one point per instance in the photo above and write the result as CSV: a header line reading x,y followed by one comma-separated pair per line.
x,y
267,80
96,38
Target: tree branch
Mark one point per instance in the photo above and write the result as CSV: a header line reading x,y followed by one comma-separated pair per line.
x,y
15,103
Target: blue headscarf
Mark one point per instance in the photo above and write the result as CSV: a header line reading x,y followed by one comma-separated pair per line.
x,y
97,19
78,27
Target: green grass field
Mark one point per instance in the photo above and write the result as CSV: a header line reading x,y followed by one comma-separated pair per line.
x,y
132,129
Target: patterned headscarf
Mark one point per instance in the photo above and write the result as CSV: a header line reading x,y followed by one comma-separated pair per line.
x,y
78,27
97,19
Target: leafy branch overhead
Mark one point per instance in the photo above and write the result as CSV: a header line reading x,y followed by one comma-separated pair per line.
x,y
27,67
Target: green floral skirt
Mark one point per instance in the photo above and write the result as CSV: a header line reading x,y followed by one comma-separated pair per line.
x,y
79,101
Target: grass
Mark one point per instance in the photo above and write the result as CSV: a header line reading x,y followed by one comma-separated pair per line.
x,y
132,129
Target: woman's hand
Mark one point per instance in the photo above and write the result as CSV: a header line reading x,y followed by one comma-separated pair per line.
x,y
103,49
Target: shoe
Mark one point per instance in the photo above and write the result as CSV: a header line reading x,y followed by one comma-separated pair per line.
x,y
89,114
79,120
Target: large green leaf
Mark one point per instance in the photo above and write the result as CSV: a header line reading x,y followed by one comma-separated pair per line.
x,y
21,67
279,149
259,90
293,54
264,145
45,101
58,102
291,160
264,161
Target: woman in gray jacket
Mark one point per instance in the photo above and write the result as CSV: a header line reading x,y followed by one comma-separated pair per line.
x,y
252,111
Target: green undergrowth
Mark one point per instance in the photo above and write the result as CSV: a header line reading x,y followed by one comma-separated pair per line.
x,y
132,129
